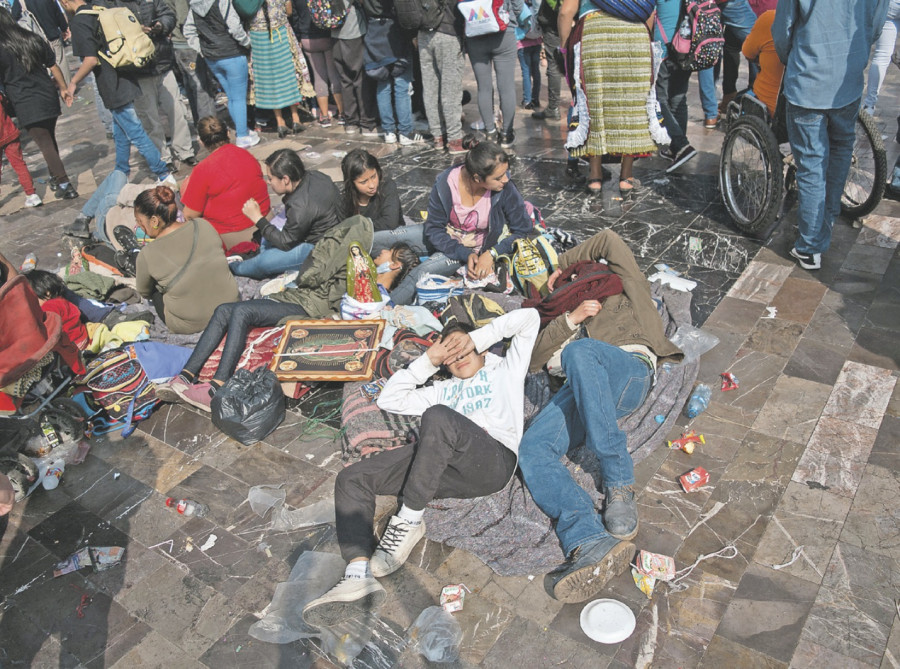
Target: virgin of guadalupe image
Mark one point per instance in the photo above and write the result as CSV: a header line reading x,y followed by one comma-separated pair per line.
x,y
362,277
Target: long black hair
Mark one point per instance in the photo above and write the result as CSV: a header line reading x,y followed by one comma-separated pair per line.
x,y
27,47
353,166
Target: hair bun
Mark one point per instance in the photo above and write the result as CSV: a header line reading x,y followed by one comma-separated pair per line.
x,y
165,195
470,141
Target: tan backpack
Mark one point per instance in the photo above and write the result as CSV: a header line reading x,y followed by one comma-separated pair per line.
x,y
128,47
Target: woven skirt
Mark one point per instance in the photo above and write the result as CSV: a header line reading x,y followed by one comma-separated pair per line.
x,y
275,70
616,65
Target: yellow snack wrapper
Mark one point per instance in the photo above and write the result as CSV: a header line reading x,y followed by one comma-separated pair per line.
x,y
644,582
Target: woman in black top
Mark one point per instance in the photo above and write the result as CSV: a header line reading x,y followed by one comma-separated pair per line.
x,y
24,61
368,192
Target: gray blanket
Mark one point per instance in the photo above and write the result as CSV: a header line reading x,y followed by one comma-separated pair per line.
x,y
507,530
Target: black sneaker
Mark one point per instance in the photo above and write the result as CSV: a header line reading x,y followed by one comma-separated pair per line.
x,y
666,152
68,193
685,153
191,161
807,260
547,114
506,139
590,568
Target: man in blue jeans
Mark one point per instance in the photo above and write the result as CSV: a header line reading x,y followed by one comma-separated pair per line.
x,y
825,46
118,91
608,375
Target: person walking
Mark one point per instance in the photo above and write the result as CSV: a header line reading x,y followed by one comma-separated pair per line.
x,y
25,59
825,46
278,73
213,29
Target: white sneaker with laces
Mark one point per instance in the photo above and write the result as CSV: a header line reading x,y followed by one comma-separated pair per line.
x,y
409,140
246,142
390,138
396,544
168,181
350,598
33,200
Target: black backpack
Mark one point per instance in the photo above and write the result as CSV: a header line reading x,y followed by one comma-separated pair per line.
x,y
419,14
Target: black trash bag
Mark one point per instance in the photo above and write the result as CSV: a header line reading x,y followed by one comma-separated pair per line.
x,y
249,406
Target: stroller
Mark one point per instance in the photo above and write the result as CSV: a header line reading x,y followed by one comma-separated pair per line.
x,y
37,364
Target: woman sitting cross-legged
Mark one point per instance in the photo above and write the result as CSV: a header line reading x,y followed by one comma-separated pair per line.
x,y
184,271
311,203
368,192
470,206
468,442
318,292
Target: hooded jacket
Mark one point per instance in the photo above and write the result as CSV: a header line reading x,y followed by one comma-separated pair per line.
x,y
213,29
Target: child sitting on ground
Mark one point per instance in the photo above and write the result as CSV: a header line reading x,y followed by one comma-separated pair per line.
x,y
49,288
467,448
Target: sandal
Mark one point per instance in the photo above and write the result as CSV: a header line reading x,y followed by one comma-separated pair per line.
x,y
629,185
594,191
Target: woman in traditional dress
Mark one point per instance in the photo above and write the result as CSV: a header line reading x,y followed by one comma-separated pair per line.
x,y
616,75
277,67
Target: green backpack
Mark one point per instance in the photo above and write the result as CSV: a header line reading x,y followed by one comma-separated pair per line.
x,y
530,265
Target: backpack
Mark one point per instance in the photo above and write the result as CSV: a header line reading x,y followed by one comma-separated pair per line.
x,y
119,386
408,346
700,39
585,280
472,309
247,9
419,14
28,21
635,11
328,14
128,47
532,262
483,17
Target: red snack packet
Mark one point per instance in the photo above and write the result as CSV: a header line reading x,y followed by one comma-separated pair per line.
x,y
694,479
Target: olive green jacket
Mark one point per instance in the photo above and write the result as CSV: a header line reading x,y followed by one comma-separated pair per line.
x,y
627,318
323,277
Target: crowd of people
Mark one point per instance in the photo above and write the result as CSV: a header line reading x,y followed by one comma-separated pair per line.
x,y
226,226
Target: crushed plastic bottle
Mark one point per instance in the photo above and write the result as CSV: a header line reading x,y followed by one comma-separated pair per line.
x,y
699,401
53,473
187,507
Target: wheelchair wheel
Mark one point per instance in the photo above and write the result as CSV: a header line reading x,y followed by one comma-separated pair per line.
x,y
868,170
750,175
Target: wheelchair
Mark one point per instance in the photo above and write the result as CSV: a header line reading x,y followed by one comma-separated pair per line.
x,y
757,181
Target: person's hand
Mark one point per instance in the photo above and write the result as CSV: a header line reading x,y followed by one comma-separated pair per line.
x,y
67,97
551,280
251,210
484,266
584,311
448,351
7,495
146,29
67,35
71,89
471,261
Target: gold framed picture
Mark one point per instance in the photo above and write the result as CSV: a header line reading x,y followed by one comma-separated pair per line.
x,y
327,350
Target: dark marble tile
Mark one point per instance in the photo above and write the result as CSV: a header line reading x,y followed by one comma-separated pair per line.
x,y
736,316
74,527
722,653
27,645
525,644
864,258
816,362
103,490
768,612
219,491
876,347
25,563
885,452
186,430
758,373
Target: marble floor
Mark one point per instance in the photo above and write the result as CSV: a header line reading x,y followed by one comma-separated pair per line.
x,y
800,510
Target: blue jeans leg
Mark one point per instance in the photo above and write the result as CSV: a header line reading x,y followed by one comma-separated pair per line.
x,y
414,235
533,55
383,96
104,199
127,124
605,383
526,75
822,144
403,102
233,76
671,92
708,101
272,262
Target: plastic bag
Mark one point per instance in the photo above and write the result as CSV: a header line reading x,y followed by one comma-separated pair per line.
x,y
694,341
265,497
249,406
436,634
317,513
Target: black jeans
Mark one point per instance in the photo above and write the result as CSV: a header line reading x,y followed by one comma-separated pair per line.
x,y
236,319
454,457
44,135
671,92
358,89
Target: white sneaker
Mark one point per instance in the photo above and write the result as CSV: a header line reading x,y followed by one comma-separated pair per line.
x,y
396,544
477,125
409,140
390,138
246,142
350,598
278,284
168,181
33,200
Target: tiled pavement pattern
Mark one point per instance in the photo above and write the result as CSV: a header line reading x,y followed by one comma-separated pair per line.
x,y
803,460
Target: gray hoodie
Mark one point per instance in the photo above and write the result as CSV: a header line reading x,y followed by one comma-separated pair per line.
x,y
199,31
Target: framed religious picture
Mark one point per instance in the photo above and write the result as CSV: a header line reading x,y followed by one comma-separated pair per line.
x,y
327,350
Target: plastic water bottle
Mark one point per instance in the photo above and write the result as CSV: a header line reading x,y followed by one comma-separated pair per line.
x,y
28,264
187,507
53,473
699,401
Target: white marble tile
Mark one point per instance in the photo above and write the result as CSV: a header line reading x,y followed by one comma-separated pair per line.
x,y
883,231
861,394
760,282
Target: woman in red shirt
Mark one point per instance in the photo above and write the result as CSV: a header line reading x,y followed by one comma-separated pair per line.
x,y
222,182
